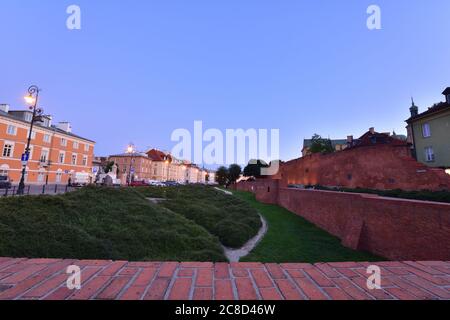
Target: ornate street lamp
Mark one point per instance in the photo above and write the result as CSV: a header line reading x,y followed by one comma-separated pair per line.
x,y
130,151
31,99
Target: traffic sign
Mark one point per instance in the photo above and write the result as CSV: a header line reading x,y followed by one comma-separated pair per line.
x,y
25,158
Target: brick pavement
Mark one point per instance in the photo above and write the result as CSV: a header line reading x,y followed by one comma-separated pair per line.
x,y
45,279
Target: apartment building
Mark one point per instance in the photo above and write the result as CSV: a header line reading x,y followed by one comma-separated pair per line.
x,y
56,154
158,165
429,133
134,166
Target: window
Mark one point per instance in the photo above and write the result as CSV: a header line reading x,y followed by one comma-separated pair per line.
x,y
75,145
44,156
86,147
8,150
63,142
426,130
41,176
61,157
58,176
28,117
429,154
12,130
46,138
74,159
4,169
33,134
85,160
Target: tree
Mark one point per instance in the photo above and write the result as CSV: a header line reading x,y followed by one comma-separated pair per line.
x,y
222,176
234,173
109,166
320,145
253,169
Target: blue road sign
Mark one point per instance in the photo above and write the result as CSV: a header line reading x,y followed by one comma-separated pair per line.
x,y
25,157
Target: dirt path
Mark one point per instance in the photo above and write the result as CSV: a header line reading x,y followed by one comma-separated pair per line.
x,y
234,255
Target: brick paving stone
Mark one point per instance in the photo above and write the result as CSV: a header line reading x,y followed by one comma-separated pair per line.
x,y
106,280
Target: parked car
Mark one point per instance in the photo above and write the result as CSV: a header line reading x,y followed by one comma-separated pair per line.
x,y
155,183
4,182
171,184
80,179
139,184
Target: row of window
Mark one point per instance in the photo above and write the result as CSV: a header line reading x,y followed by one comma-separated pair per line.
x,y
8,151
12,131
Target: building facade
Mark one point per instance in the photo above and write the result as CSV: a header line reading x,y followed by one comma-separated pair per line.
x,y
133,167
56,154
429,133
156,165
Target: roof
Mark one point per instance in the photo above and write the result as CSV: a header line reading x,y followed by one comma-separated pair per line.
x,y
308,142
52,128
376,138
438,107
135,154
157,155
446,91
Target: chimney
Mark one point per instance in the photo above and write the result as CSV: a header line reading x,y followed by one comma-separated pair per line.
x,y
4,107
350,140
372,130
64,126
446,93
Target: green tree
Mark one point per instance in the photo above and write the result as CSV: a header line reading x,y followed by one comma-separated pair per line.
x,y
108,166
222,176
234,172
320,145
253,169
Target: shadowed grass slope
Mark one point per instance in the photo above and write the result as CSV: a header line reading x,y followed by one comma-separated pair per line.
x,y
101,223
229,218
291,238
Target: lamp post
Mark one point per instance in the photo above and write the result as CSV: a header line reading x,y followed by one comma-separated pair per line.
x,y
32,99
130,151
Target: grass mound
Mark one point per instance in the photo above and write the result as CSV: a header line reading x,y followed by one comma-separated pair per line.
x,y
291,238
229,218
101,223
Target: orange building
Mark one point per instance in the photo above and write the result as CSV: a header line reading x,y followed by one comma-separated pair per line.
x,y
135,166
56,154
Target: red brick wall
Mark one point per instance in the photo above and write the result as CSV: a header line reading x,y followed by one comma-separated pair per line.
x,y
380,167
396,229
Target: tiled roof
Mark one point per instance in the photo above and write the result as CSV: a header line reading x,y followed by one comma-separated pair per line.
x,y
157,155
136,154
376,138
439,107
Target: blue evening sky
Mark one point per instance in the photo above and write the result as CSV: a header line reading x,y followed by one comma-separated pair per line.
x,y
140,69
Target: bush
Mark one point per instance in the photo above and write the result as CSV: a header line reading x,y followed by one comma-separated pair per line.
x,y
230,219
101,223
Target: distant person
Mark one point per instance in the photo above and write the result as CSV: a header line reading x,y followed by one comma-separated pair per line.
x,y
69,182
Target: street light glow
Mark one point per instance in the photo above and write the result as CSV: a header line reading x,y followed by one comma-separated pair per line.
x,y
29,99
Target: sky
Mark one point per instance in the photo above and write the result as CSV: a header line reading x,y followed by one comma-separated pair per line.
x,y
138,70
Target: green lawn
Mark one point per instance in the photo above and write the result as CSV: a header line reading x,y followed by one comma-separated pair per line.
x,y
101,223
291,238
229,218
